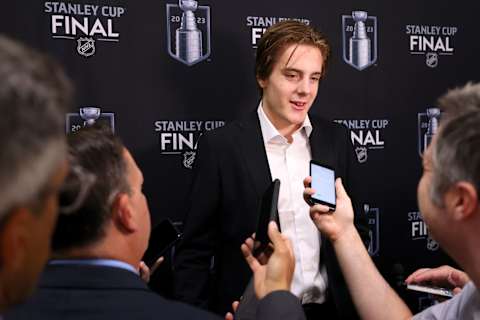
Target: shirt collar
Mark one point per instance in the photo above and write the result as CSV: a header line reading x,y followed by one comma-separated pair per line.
x,y
269,131
95,262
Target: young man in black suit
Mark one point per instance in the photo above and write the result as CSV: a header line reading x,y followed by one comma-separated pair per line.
x,y
448,197
236,163
99,241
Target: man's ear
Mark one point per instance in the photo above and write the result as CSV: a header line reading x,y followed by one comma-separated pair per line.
x,y
123,214
14,239
461,200
261,82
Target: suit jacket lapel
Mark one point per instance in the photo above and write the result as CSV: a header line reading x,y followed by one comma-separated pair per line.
x,y
321,143
253,152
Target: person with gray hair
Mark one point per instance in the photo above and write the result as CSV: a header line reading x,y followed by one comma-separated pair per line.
x,y
448,196
449,199
34,96
99,241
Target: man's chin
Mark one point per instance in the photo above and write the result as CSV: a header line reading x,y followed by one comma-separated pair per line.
x,y
298,119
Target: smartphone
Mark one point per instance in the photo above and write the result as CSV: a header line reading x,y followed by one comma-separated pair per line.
x,y
323,182
162,238
432,290
268,211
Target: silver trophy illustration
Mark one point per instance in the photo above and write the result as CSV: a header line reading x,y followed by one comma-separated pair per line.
x,y
366,209
89,115
188,37
433,115
372,215
360,48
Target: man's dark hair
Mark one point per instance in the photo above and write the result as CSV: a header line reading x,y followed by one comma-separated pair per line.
x,y
35,94
284,34
95,152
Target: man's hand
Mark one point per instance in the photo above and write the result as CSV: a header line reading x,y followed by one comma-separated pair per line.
x,y
145,272
333,224
277,273
444,276
229,315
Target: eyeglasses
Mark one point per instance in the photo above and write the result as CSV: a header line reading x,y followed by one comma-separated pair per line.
x,y
75,189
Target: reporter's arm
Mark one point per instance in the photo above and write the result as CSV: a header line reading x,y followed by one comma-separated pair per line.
x,y
371,294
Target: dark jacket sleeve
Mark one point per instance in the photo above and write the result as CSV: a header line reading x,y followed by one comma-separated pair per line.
x,y
350,179
194,254
280,305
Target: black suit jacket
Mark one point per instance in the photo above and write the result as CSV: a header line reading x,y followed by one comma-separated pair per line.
x,y
231,172
96,292
280,305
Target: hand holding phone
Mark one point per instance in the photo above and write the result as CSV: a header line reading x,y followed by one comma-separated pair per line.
x,y
162,238
268,212
323,182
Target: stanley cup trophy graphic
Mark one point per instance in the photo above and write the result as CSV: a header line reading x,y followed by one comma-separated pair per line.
x,y
428,122
373,220
360,47
433,115
89,115
188,38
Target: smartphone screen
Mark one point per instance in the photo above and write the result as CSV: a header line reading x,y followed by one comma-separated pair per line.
x,y
323,182
162,238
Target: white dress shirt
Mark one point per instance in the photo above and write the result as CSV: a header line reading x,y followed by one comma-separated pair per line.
x,y
289,162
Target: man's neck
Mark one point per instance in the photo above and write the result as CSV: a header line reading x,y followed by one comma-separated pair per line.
x,y
97,251
465,252
471,266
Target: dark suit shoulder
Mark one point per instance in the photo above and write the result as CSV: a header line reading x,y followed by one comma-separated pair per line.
x,y
184,311
327,124
280,305
119,294
228,135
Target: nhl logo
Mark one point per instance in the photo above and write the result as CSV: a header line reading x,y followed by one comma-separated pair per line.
x,y
188,159
431,59
86,47
359,37
361,153
188,31
432,245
